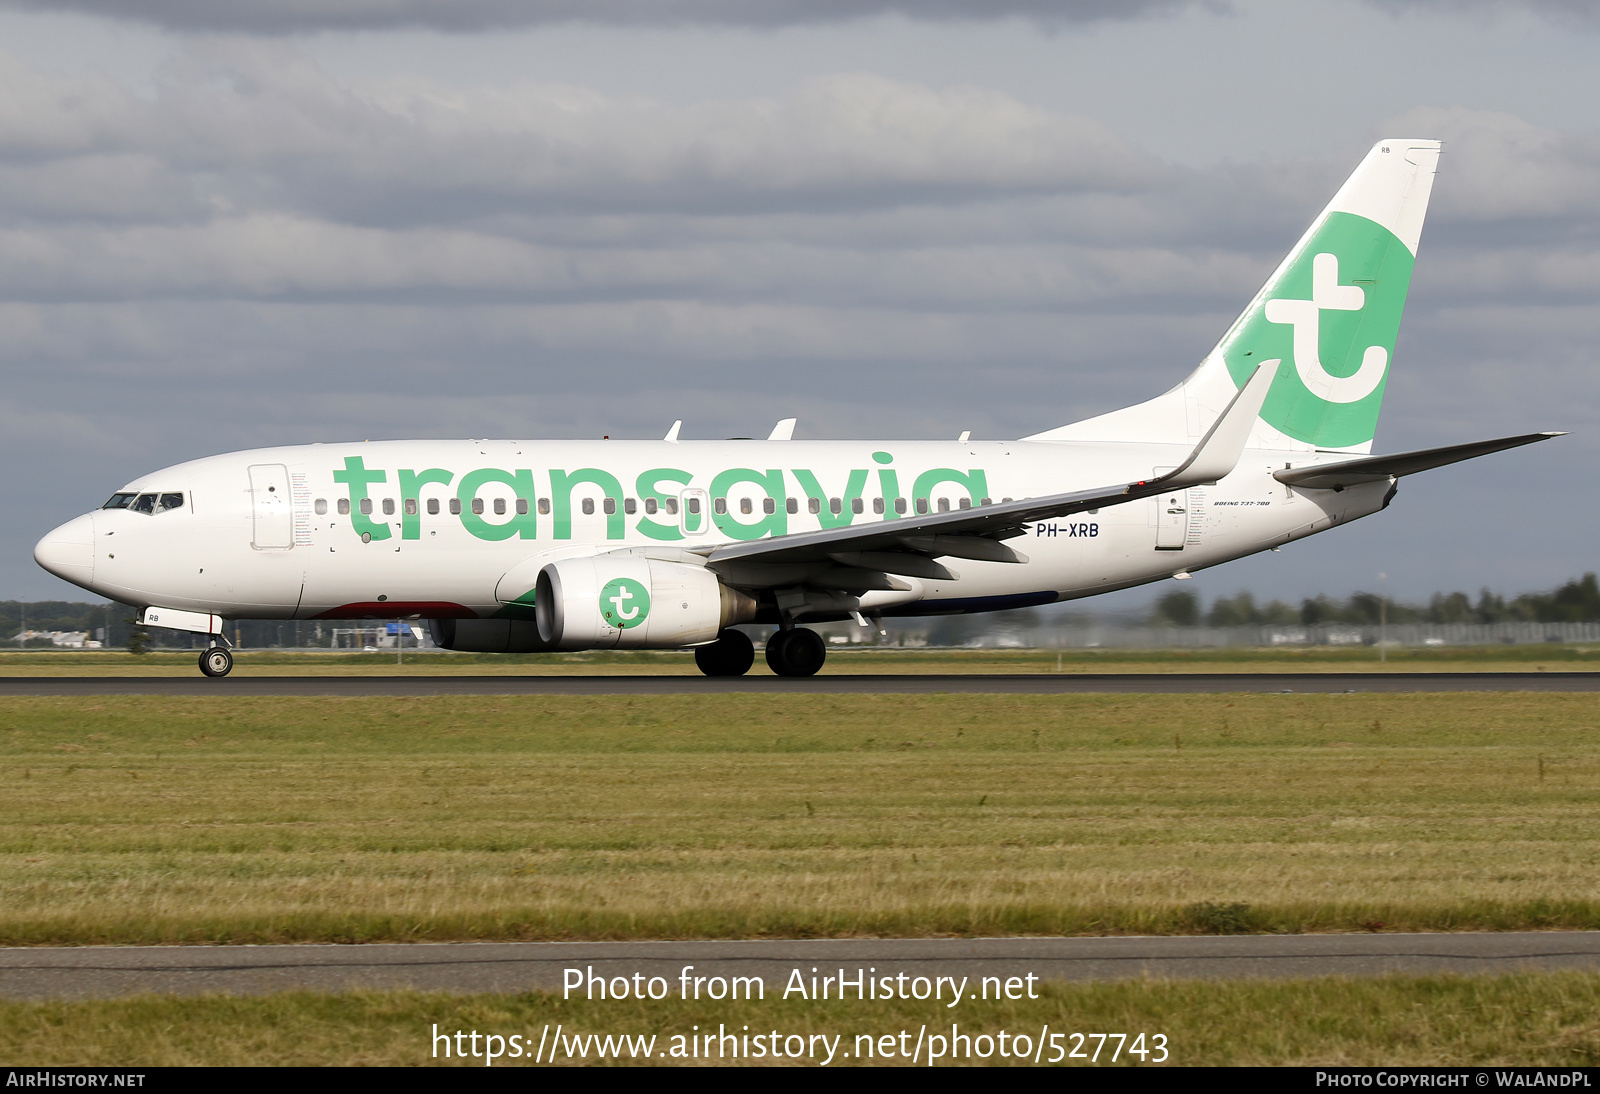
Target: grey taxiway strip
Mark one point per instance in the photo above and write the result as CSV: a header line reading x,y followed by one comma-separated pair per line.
x,y
974,683
107,971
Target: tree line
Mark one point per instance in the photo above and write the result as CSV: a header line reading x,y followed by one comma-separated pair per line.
x,y
1577,601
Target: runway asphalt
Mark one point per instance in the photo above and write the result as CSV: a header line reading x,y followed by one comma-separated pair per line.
x,y
107,971
975,683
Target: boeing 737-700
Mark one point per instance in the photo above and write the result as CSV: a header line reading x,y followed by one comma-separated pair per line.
x,y
525,546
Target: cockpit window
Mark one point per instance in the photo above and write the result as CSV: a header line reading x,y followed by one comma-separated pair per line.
x,y
145,503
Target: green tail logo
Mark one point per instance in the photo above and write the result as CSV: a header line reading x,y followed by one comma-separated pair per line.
x,y
1328,322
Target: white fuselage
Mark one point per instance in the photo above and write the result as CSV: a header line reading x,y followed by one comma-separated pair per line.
x,y
461,528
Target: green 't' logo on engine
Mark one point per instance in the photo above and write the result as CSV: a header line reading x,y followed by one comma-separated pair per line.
x,y
1328,323
624,603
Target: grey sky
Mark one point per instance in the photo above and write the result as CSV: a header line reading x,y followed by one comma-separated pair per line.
x,y
890,227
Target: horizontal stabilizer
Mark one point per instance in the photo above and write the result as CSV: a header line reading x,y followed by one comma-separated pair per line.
x,y
1377,468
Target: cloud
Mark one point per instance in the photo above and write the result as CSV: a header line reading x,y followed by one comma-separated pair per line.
x,y
295,16
260,126
1581,13
1499,167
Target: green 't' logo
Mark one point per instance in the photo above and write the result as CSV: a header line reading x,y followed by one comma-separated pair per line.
x,y
1328,323
624,603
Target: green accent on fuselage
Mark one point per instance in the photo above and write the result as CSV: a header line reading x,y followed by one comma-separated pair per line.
x,y
853,487
411,484
655,484
524,525
356,476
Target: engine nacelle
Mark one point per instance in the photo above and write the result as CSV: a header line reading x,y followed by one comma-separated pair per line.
x,y
632,602
487,635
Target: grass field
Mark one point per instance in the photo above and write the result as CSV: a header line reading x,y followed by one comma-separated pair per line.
x,y
162,820
841,660
1545,1019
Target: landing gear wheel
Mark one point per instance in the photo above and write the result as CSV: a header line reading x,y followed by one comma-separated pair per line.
x,y
216,661
796,653
731,654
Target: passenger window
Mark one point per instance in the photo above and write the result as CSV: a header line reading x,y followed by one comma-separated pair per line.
x,y
366,507
522,507
119,501
944,505
745,506
694,507
922,505
608,506
322,507
813,505
388,507
477,506
672,506
877,505
720,505
650,506
455,507
835,506
499,507
588,506
344,507
411,507
856,505
964,503
544,507
144,503
433,507
792,505
769,506
985,501
900,506
630,507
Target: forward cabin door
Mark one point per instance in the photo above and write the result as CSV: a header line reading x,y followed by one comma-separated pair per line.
x,y
1172,517
273,514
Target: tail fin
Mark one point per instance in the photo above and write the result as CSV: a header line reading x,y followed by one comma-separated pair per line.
x,y
1326,320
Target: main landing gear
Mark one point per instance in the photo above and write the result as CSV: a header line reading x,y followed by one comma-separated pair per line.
x,y
731,654
216,661
796,652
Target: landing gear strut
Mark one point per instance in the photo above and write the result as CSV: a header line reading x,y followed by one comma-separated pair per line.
x,y
731,654
216,661
796,652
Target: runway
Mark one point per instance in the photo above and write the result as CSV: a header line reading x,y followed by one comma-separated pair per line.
x,y
969,684
109,971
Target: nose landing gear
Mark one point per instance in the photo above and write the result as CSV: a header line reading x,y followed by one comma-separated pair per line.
x,y
216,661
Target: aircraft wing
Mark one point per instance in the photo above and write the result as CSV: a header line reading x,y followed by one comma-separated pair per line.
x,y
908,545
1337,476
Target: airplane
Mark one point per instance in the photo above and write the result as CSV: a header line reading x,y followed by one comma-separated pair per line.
x,y
528,546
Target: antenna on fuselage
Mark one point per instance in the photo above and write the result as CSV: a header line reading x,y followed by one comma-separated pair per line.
x,y
783,431
672,434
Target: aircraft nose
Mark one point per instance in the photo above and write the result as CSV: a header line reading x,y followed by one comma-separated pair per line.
x,y
68,552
